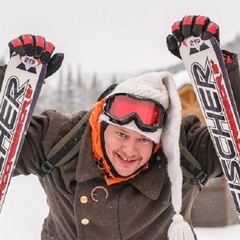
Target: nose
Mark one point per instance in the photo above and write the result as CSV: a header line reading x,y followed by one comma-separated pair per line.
x,y
130,147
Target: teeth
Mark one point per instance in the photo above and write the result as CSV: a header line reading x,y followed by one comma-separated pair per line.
x,y
123,158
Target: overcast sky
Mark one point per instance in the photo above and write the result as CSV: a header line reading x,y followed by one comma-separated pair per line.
x,y
111,35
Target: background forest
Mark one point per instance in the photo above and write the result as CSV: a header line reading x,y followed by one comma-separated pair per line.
x,y
70,89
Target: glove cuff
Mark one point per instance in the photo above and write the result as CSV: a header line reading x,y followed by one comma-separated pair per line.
x,y
228,56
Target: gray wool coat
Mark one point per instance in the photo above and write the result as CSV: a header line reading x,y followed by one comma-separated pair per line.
x,y
139,209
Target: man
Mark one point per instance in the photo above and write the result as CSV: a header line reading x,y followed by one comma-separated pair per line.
x,y
126,182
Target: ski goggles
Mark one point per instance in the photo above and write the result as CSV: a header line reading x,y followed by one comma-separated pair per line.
x,y
148,115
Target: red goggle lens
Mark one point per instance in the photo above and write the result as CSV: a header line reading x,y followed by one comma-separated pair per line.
x,y
123,108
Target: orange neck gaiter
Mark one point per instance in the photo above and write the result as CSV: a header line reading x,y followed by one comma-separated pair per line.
x,y
103,165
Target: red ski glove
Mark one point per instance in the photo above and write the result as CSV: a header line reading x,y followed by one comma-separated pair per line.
x,y
38,47
191,25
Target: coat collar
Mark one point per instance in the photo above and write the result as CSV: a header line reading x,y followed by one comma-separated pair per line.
x,y
149,183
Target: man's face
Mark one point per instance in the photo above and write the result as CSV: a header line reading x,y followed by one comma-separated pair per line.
x,y
126,149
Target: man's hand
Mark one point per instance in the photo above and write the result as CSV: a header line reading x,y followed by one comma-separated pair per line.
x,y
191,25
37,47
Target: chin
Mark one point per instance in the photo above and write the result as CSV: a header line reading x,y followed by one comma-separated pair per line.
x,y
125,174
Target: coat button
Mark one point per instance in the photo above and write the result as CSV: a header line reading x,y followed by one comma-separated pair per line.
x,y
85,221
83,199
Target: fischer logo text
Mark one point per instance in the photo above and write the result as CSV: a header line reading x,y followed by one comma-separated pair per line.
x,y
13,111
221,122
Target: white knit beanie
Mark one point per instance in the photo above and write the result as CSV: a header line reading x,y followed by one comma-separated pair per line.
x,y
149,86
160,87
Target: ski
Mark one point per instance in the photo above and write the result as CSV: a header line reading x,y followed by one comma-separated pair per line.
x,y
21,86
205,65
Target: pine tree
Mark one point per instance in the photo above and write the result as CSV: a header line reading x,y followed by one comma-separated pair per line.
x,y
60,88
69,94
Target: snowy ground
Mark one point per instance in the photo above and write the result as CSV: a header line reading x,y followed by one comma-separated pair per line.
x,y
225,233
25,209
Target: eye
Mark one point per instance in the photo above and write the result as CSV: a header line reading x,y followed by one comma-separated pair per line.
x,y
121,134
145,140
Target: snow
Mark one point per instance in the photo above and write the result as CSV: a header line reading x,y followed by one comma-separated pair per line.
x,y
181,78
224,233
25,209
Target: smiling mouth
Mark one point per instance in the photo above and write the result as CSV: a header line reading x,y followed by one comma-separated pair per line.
x,y
124,158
